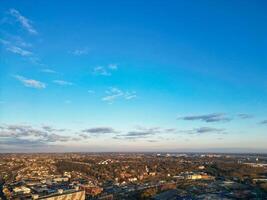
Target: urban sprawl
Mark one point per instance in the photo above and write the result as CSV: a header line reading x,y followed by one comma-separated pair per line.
x,y
156,176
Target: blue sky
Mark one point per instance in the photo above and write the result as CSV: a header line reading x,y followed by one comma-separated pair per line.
x,y
133,76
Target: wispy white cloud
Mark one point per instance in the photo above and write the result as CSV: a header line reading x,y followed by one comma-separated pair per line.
x,y
130,95
18,50
30,82
113,66
114,93
15,41
99,70
25,22
19,41
48,71
80,52
16,45
105,71
63,83
22,43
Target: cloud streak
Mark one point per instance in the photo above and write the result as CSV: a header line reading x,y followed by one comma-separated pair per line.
x,y
214,117
62,82
113,66
80,52
143,133
50,71
99,130
19,51
84,136
114,93
203,130
24,22
27,134
30,82
105,71
99,70
245,116
264,122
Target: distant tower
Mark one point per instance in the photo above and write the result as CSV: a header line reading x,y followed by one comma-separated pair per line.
x,y
147,170
257,159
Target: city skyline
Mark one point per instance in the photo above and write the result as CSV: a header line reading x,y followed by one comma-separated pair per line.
x,y
133,76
